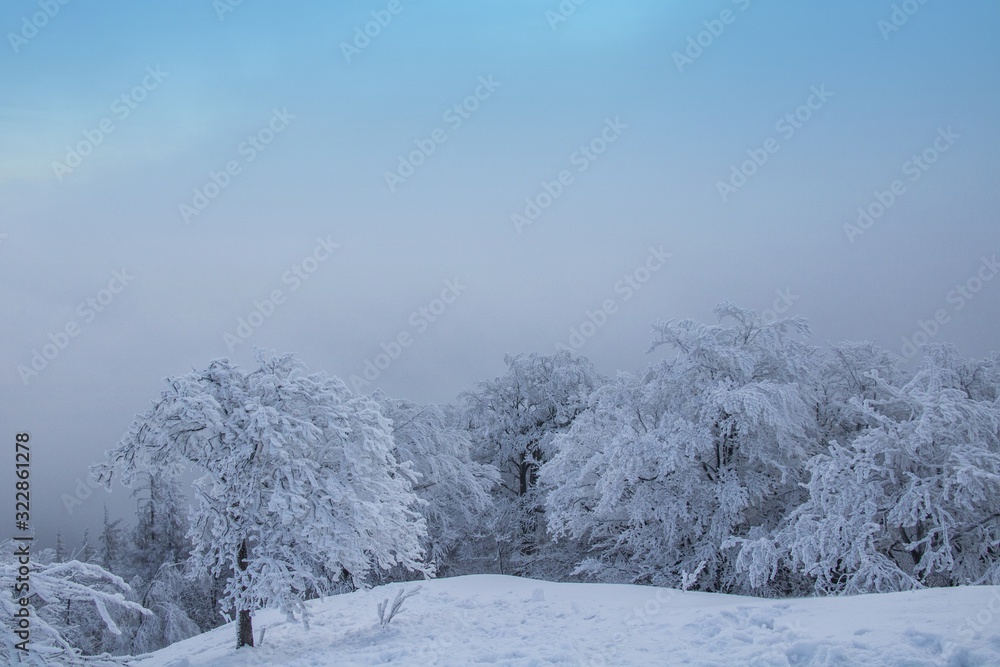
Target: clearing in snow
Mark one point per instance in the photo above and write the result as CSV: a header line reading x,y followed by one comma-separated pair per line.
x,y
500,620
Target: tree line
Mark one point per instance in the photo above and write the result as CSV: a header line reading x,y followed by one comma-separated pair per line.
x,y
743,460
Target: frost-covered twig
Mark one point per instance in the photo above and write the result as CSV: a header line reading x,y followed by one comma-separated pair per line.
x,y
688,580
383,616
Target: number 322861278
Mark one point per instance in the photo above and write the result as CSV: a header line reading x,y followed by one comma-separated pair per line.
x,y
22,464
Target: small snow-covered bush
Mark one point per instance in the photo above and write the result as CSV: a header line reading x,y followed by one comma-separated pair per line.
x,y
387,613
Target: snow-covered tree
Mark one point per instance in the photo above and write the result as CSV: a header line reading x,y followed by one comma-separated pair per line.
x,y
165,596
155,568
515,416
455,488
299,481
52,587
665,469
512,420
848,372
60,549
152,559
161,523
87,552
112,542
912,498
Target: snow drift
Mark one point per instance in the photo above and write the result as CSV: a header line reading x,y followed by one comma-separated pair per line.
x,y
499,620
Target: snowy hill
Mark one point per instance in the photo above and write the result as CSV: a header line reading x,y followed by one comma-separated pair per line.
x,y
497,620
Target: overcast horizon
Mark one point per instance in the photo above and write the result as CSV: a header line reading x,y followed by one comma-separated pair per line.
x,y
445,183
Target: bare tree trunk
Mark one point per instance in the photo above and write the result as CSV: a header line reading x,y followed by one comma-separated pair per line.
x,y
244,634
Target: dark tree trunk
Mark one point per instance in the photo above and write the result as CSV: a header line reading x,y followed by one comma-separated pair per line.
x,y
528,522
244,633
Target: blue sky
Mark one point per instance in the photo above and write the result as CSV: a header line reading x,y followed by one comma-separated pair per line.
x,y
778,239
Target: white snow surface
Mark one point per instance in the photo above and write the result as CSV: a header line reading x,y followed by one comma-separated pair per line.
x,y
501,620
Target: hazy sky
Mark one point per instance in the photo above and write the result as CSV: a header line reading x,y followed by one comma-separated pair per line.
x,y
169,168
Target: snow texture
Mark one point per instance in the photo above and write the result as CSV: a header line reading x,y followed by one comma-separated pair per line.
x,y
499,620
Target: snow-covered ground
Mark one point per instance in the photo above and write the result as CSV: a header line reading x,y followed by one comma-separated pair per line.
x,y
497,620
